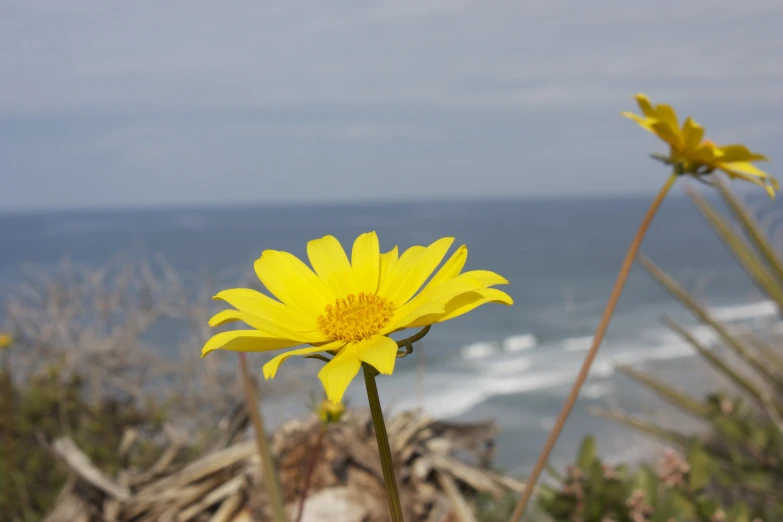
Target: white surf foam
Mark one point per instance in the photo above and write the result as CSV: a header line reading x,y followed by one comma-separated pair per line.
x,y
519,343
704,334
602,368
507,366
503,375
664,337
474,390
597,390
478,350
746,311
660,353
502,378
577,344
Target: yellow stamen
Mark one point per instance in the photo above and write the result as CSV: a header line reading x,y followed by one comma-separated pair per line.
x,y
355,317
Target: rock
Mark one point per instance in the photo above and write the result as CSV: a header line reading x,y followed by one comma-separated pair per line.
x,y
341,503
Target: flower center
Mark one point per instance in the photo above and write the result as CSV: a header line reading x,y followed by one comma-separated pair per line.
x,y
355,317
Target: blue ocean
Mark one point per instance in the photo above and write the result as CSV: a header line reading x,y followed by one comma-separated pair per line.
x,y
511,364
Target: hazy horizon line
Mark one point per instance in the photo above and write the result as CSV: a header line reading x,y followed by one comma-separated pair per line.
x,y
207,205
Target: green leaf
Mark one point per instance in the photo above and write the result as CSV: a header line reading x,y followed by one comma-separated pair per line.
x,y
731,428
562,506
546,495
758,479
701,465
683,506
596,477
706,507
595,506
615,493
724,478
739,513
587,453
647,480
759,437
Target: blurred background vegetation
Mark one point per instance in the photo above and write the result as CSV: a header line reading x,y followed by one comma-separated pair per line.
x,y
728,469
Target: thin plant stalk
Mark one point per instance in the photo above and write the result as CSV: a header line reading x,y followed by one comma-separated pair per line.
x,y
383,444
316,452
268,474
9,438
619,284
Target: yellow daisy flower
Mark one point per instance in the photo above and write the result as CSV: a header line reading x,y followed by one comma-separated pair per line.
x,y
349,308
5,340
693,154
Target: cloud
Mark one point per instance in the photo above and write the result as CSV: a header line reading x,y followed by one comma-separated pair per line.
x,y
200,54
110,88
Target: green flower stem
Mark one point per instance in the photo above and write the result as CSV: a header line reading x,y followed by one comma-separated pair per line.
x,y
269,476
619,284
383,444
418,336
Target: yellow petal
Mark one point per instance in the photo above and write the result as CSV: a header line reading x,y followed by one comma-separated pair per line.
x,y
692,134
736,152
398,267
487,278
770,189
292,282
666,133
412,316
409,256
752,174
449,270
643,122
741,168
254,302
464,282
436,297
704,154
270,368
410,273
388,260
265,325
667,115
645,105
338,373
380,352
464,303
331,264
366,262
246,341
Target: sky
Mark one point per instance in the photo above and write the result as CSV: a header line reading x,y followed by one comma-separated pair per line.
x,y
192,102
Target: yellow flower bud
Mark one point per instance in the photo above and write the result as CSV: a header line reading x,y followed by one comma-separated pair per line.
x,y
329,412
